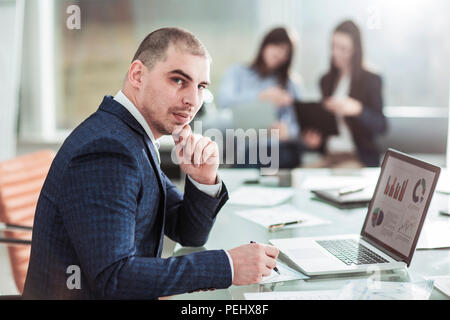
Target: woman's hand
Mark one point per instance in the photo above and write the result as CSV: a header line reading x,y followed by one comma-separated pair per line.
x,y
276,95
312,138
284,130
346,107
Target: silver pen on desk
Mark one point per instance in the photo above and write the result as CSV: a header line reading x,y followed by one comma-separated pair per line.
x,y
350,190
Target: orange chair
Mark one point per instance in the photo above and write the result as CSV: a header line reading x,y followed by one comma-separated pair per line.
x,y
21,181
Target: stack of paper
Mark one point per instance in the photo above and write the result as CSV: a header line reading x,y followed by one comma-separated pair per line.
x,y
442,283
260,196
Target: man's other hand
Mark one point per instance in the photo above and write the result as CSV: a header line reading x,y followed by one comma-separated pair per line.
x,y
198,156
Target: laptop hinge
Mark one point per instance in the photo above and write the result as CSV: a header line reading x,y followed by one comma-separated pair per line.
x,y
384,250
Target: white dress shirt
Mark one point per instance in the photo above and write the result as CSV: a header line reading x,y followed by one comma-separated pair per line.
x,y
343,142
211,190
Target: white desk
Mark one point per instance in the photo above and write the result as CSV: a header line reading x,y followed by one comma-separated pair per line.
x,y
230,231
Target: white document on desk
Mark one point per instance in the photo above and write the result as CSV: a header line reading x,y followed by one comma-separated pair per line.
x,y
355,290
435,235
260,196
443,185
386,290
286,274
281,214
319,182
293,295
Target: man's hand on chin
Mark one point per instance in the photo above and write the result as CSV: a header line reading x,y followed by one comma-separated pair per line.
x,y
198,156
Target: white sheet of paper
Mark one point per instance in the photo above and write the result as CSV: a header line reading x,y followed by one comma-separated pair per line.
x,y
286,274
435,235
260,196
385,290
443,185
356,290
331,182
280,214
293,295
442,283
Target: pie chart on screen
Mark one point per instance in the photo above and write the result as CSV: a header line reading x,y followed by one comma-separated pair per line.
x,y
377,217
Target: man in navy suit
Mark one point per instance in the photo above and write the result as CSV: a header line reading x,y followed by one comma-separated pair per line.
x,y
106,205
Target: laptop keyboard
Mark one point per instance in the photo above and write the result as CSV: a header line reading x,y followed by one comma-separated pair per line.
x,y
351,252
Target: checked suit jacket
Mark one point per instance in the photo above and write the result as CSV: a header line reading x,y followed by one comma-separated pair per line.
x,y
104,209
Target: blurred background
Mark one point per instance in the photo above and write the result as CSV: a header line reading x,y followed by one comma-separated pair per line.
x,y
62,74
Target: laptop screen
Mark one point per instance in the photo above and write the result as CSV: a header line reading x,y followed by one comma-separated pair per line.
x,y
400,203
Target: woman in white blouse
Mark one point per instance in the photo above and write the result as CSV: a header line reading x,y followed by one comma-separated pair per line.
x,y
354,95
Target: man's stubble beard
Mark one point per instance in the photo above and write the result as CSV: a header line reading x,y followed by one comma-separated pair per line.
x,y
154,123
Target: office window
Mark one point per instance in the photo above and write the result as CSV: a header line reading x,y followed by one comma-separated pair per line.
x,y
406,42
94,59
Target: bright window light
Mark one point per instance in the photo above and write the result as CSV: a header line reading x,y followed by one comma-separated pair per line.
x,y
47,68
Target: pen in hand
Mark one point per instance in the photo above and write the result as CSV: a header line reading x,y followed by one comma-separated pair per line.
x,y
274,269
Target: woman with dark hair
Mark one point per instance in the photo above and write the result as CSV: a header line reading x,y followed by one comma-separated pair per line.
x,y
354,95
267,79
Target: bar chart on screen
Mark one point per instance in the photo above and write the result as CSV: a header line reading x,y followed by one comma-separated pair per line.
x,y
395,190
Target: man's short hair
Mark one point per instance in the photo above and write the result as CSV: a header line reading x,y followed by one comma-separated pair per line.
x,y
154,47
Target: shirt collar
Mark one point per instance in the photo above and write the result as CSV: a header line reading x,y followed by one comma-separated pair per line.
x,y
121,98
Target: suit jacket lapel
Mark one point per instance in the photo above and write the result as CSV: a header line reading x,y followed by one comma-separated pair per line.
x,y
112,106
161,218
155,164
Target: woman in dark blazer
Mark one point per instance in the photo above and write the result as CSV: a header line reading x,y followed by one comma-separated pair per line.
x,y
354,95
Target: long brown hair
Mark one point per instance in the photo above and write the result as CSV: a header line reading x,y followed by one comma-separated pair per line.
x,y
351,29
276,36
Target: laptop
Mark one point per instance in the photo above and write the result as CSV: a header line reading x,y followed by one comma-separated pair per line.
x,y
254,115
390,231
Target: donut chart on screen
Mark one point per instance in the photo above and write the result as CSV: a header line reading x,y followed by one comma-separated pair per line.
x,y
377,217
419,195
